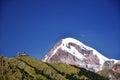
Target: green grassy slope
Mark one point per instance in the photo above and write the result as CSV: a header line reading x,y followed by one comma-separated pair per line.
x,y
28,68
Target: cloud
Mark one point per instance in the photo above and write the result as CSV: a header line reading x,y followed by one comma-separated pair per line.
x,y
82,35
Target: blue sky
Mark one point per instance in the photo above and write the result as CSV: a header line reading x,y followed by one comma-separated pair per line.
x,y
35,26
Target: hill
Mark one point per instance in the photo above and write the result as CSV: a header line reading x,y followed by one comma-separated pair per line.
x,y
28,68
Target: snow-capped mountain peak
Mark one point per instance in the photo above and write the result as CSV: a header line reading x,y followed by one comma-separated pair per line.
x,y
66,41
72,51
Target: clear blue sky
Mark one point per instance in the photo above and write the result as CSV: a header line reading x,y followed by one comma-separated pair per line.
x,y
35,26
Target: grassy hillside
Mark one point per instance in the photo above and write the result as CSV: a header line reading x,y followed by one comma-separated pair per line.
x,y
28,68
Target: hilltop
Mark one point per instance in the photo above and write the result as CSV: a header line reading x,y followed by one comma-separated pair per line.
x,y
28,68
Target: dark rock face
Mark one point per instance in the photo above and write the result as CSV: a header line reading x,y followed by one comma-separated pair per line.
x,y
76,46
116,68
108,64
114,72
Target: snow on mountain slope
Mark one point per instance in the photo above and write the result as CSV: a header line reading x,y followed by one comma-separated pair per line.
x,y
83,46
72,51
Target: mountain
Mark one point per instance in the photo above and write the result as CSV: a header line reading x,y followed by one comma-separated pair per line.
x,y
68,60
72,51
25,67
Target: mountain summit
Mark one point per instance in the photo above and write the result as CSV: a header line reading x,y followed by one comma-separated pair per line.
x,y
74,52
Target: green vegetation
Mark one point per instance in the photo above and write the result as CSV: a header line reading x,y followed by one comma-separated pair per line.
x,y
28,68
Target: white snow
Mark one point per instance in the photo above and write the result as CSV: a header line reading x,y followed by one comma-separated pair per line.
x,y
73,51
100,56
46,57
54,52
83,46
115,61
